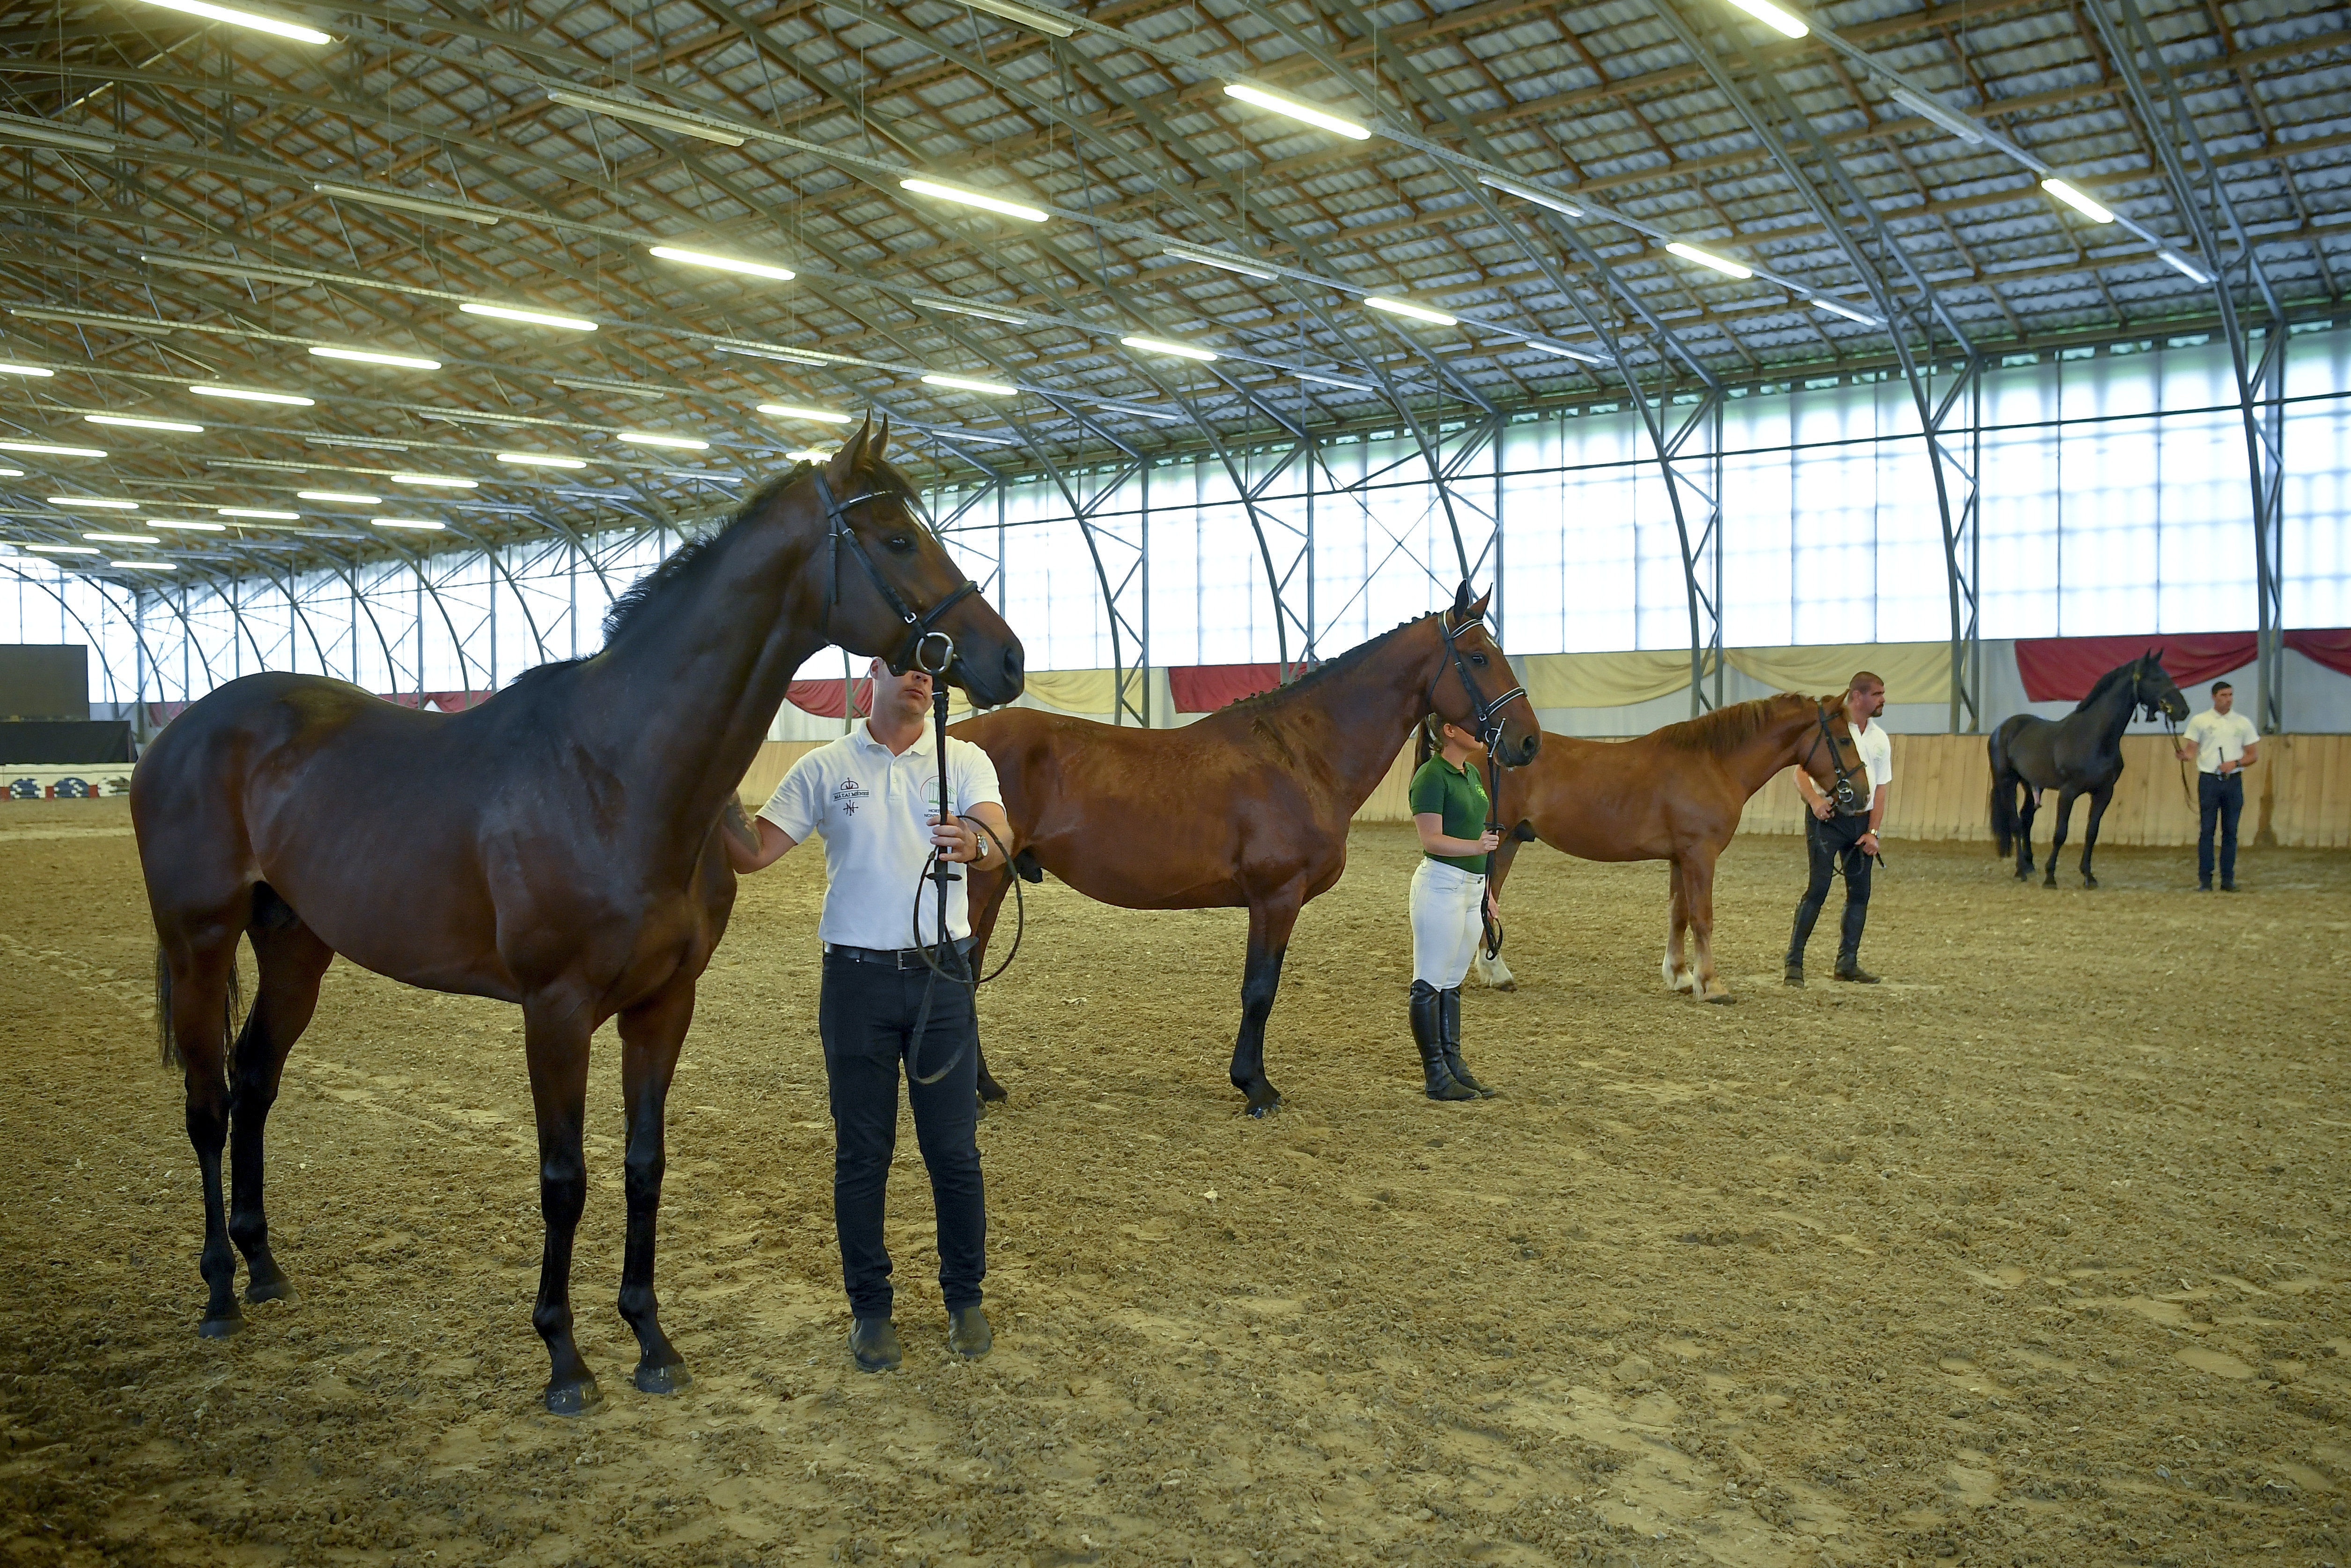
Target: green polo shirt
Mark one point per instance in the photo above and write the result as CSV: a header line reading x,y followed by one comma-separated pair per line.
x,y
1460,796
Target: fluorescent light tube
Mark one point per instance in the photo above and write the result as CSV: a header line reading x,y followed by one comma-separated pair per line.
x,y
1036,21
254,19
25,128
626,388
1534,193
42,448
1771,17
247,394
993,388
123,538
1704,258
723,263
973,199
790,411
132,423
1562,351
1181,350
541,460
534,318
12,472
9,370
423,525
145,564
1310,113
941,302
1321,380
644,114
78,502
185,523
1211,258
257,512
1141,411
1919,104
406,203
654,438
105,318
343,495
1839,307
2077,201
373,357
64,550
1418,312
2185,267
437,481
811,455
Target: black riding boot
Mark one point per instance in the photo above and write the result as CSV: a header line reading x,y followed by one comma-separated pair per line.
x,y
1807,912
1449,1023
1429,1034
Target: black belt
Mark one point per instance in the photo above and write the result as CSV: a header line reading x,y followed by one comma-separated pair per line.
x,y
889,957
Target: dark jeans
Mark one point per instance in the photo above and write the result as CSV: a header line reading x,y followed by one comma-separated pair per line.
x,y
1825,843
2219,797
866,1016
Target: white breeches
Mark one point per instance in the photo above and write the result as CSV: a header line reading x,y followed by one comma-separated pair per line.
x,y
1446,927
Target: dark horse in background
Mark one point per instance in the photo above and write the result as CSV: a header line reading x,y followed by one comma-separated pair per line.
x,y
2080,754
555,847
1249,806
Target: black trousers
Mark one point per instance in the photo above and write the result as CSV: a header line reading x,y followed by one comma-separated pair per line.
x,y
1826,843
866,1016
2218,796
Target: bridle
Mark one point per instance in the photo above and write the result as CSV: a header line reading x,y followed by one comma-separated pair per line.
x,y
920,628
1846,790
1486,715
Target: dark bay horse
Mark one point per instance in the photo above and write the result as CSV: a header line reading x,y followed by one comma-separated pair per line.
x,y
1675,795
1248,806
555,847
2080,754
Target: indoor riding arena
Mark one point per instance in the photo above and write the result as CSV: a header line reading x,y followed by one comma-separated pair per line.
x,y
1581,781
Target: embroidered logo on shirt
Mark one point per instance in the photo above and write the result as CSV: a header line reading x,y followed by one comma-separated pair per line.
x,y
849,794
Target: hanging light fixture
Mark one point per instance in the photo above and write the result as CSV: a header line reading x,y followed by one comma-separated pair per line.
x,y
1181,350
236,17
722,263
2094,210
1784,22
1707,258
530,318
1312,114
1404,307
132,422
376,357
974,199
407,203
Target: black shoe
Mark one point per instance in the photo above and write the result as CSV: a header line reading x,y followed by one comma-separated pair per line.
x,y
1429,1034
968,1333
1794,974
2228,887
2203,887
1852,973
1449,1025
874,1343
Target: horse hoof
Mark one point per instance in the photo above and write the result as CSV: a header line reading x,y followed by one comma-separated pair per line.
x,y
2089,880
1265,1106
1721,997
221,1325
573,1399
671,1379
2048,881
281,1289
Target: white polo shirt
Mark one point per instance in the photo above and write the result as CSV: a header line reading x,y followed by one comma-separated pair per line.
x,y
2220,737
1876,749
870,805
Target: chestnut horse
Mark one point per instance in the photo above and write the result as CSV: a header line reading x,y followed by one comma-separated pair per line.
x,y
556,847
1248,806
1673,795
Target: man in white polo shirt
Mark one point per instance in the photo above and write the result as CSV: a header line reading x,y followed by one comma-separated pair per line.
x,y
2224,743
1830,836
873,794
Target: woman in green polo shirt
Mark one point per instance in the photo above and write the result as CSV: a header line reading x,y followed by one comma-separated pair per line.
x,y
1449,806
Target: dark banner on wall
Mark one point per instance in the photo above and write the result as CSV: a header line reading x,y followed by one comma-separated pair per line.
x,y
66,743
2064,669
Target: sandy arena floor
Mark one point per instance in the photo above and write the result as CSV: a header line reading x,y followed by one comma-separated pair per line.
x,y
2034,1254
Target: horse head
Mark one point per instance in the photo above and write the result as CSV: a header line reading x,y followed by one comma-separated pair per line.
x,y
910,603
1831,754
2155,692
1483,698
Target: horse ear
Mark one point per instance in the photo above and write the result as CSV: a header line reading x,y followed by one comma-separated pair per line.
x,y
851,457
1478,607
881,440
1461,598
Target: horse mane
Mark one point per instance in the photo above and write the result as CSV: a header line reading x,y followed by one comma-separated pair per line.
x,y
2110,680
1330,669
631,602
1725,730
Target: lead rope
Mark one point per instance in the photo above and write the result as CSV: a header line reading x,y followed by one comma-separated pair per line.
x,y
1489,925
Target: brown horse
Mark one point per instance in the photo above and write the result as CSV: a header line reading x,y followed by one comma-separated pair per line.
x,y
1248,806
554,848
1673,795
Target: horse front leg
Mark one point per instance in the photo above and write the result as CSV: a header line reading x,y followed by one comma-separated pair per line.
x,y
1493,971
2024,815
1677,972
1271,922
1697,897
652,1033
556,1032
985,904
2099,799
2057,835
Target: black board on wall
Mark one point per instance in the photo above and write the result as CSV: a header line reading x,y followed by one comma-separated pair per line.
x,y
44,680
64,742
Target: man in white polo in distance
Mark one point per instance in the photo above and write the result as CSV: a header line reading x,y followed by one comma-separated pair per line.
x,y
2223,743
873,794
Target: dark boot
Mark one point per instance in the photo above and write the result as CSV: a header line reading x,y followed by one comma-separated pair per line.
x,y
874,1343
968,1333
1449,1025
1429,1034
1807,912
1848,967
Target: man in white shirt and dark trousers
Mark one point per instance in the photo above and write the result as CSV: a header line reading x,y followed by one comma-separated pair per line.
x,y
2223,743
873,794
1830,836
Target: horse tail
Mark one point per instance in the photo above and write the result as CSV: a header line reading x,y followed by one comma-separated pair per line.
x,y
167,1044
2003,792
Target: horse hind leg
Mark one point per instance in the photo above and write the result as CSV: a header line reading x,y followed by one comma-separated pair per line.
x,y
291,959
2024,815
1698,895
196,998
1679,975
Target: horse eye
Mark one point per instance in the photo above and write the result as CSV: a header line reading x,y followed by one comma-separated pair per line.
x,y
1478,660
901,543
